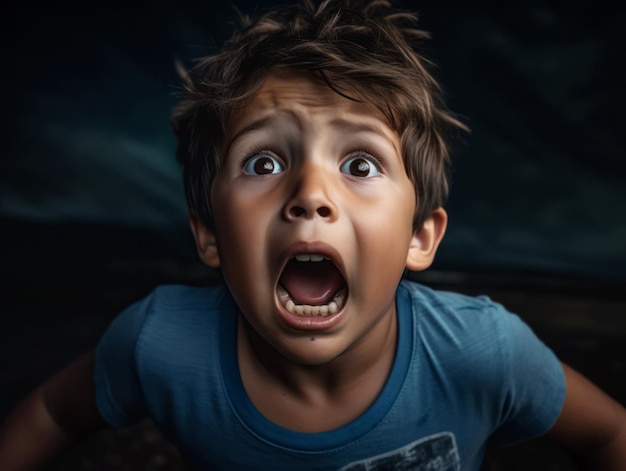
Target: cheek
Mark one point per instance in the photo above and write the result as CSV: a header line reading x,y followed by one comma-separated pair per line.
x,y
383,246
242,223
383,240
389,214
239,236
236,210
242,261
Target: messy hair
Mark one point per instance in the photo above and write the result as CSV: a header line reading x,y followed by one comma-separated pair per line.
x,y
365,51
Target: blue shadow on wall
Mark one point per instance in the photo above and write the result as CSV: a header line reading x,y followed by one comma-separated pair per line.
x,y
88,179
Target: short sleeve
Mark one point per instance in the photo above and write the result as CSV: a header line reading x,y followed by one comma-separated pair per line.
x,y
119,395
533,382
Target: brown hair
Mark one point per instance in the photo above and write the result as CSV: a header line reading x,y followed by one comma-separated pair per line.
x,y
363,51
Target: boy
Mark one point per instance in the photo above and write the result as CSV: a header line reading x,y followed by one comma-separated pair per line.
x,y
314,156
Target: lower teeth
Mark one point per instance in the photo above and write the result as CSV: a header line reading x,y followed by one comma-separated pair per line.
x,y
308,310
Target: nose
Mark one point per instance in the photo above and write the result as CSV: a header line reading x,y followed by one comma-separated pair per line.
x,y
312,196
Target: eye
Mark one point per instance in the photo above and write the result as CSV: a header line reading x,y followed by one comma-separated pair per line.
x,y
363,165
262,164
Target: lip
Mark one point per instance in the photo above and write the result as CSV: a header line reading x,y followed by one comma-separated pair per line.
x,y
312,323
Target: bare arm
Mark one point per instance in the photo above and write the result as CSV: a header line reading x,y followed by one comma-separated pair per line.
x,y
592,424
50,418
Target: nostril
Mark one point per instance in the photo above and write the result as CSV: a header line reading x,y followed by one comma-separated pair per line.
x,y
323,211
297,211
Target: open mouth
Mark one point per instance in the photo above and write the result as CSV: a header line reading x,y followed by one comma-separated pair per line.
x,y
311,285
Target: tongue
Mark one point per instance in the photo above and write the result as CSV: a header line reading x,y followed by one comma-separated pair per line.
x,y
312,283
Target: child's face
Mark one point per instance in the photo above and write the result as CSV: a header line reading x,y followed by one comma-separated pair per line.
x,y
308,172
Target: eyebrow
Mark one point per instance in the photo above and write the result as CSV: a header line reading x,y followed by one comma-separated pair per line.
x,y
362,126
256,124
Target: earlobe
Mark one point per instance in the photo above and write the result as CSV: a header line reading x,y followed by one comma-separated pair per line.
x,y
426,240
205,241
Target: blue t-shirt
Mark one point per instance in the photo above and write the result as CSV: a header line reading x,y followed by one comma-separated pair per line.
x,y
466,371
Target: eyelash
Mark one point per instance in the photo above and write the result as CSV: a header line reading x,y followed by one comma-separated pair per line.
x,y
367,155
256,151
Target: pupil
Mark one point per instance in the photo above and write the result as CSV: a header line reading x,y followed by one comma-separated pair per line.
x,y
360,168
264,165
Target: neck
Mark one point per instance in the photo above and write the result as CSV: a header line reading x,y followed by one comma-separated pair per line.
x,y
364,366
316,397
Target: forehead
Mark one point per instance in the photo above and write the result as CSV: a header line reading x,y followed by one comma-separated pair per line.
x,y
290,95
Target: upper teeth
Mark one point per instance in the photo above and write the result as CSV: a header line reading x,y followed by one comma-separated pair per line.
x,y
310,257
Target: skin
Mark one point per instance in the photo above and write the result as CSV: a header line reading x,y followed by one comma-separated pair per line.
x,y
307,375
314,204
51,418
592,425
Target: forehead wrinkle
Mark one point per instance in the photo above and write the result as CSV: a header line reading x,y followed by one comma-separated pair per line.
x,y
282,102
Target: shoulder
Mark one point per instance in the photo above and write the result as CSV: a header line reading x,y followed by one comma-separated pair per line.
x,y
177,312
167,331
473,345
468,333
185,297
151,342
169,313
181,302
459,310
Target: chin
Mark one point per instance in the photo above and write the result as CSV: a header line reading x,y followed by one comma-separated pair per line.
x,y
312,351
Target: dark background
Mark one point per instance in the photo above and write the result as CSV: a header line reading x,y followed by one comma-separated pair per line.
x,y
92,212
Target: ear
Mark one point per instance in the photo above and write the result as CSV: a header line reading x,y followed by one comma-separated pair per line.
x,y
205,241
426,240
